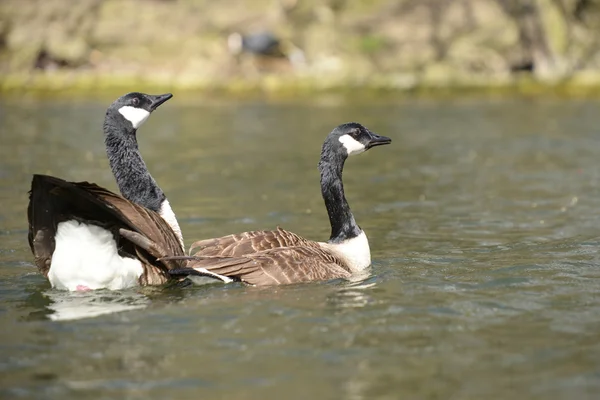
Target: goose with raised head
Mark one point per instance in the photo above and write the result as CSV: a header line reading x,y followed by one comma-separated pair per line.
x,y
85,237
283,257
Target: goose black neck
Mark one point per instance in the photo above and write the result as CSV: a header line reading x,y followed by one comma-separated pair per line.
x,y
134,181
343,225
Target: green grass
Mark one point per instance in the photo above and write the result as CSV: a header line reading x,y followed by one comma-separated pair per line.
x,y
65,84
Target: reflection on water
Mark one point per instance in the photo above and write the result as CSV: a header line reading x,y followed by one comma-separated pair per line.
x,y
355,293
483,223
68,306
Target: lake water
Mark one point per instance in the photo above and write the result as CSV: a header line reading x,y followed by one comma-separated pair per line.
x,y
484,224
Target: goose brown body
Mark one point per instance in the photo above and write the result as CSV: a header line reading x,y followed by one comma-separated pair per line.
x,y
275,266
263,258
140,233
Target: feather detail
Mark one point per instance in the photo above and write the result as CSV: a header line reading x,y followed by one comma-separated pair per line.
x,y
249,242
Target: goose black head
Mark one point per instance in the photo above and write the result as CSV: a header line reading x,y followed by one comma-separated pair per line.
x,y
133,109
353,138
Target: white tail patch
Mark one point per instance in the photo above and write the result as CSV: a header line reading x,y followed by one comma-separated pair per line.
x,y
86,256
169,216
137,116
354,252
352,145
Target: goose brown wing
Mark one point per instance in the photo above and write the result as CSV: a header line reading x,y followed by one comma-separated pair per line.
x,y
249,242
283,265
140,219
139,232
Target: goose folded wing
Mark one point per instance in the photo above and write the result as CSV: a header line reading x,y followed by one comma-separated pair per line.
x,y
282,265
140,219
248,243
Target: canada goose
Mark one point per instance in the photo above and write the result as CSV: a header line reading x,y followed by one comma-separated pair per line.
x,y
282,257
85,237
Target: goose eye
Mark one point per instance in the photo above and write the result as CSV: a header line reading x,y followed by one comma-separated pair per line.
x,y
135,101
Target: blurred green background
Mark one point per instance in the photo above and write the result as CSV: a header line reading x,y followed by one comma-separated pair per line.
x,y
407,45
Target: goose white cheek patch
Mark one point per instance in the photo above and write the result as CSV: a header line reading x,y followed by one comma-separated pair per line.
x,y
352,145
137,116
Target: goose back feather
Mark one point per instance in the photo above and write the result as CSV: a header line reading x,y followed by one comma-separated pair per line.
x,y
240,244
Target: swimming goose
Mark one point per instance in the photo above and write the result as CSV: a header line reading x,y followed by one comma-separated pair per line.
x,y
282,257
85,237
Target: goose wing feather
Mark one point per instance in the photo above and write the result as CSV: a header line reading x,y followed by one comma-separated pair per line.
x,y
140,232
249,242
282,265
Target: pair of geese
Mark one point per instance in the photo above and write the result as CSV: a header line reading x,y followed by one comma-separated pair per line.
x,y
85,237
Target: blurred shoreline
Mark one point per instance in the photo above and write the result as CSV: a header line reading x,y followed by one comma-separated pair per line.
x,y
293,48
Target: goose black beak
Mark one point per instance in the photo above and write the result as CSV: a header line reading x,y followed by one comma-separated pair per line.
x,y
377,140
158,100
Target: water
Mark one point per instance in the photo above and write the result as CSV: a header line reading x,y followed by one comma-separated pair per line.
x,y
484,227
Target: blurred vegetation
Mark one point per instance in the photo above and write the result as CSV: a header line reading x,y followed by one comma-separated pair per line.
x,y
384,44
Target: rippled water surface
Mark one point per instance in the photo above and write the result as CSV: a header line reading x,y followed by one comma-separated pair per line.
x,y
484,223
